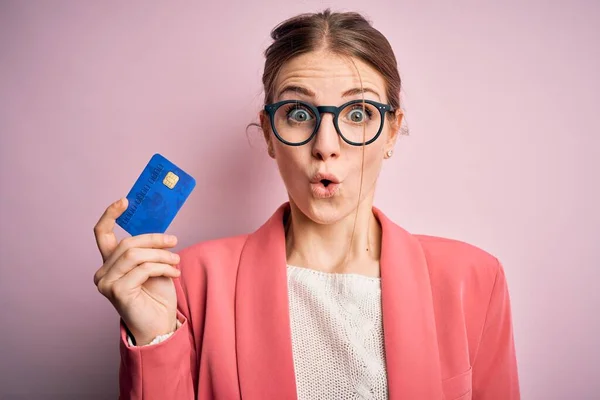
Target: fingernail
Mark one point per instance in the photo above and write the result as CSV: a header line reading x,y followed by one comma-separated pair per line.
x,y
175,257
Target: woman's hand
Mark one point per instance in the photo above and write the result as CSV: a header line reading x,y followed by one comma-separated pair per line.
x,y
137,277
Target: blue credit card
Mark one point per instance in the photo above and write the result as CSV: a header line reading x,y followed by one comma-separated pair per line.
x,y
156,197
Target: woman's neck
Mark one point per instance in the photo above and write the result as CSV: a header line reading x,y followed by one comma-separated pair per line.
x,y
337,247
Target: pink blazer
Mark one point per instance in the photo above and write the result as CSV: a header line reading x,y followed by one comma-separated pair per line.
x,y
446,320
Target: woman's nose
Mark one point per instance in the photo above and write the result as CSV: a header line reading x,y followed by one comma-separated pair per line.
x,y
326,144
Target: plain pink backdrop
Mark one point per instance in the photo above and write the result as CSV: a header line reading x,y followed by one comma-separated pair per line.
x,y
502,103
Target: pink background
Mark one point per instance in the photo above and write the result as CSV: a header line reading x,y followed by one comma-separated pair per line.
x,y
502,103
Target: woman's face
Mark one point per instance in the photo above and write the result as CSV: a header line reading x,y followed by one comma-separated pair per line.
x,y
322,78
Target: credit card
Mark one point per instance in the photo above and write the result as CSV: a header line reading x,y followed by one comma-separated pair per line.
x,y
156,197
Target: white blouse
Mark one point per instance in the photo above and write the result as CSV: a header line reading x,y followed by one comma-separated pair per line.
x,y
337,335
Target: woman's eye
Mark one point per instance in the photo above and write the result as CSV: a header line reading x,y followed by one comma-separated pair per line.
x,y
299,115
358,115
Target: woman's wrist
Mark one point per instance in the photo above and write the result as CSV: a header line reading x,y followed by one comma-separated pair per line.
x,y
157,339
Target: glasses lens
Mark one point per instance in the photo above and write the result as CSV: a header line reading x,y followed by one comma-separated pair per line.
x,y
359,122
295,122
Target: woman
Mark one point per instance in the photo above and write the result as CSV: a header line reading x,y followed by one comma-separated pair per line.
x,y
329,299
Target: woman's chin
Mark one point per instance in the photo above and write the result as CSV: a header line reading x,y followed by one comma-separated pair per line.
x,y
325,211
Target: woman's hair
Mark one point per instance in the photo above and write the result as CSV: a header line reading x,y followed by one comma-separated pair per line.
x,y
347,34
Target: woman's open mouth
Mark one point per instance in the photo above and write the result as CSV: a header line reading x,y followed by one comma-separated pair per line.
x,y
324,188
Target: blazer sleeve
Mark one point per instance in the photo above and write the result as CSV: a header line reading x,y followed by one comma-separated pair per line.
x,y
495,366
166,370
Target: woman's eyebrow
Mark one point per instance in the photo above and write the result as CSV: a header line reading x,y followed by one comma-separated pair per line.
x,y
297,90
309,93
356,91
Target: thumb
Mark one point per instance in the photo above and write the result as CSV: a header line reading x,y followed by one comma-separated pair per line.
x,y
104,229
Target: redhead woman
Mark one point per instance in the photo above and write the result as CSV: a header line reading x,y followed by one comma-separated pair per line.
x,y
329,298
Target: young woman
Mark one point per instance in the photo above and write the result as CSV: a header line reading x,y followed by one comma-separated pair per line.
x,y
329,299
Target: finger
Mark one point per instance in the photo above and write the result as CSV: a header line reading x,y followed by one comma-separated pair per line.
x,y
150,240
144,241
104,229
135,257
140,274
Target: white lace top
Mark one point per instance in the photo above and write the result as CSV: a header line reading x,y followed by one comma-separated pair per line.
x,y
337,335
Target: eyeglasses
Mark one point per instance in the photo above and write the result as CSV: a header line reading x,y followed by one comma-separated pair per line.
x,y
358,122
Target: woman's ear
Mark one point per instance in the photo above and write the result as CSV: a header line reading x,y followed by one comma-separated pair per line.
x,y
398,117
265,127
395,125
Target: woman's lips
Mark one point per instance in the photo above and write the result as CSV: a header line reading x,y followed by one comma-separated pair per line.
x,y
322,191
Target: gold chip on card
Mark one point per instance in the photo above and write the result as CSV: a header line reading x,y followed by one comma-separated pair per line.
x,y
170,180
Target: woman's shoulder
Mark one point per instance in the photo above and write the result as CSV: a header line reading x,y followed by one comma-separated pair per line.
x,y
452,259
444,256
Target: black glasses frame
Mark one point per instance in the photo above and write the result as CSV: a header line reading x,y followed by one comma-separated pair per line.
x,y
271,109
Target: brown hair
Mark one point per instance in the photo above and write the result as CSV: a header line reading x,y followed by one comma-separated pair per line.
x,y
347,34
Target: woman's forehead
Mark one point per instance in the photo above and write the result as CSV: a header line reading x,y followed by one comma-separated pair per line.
x,y
326,75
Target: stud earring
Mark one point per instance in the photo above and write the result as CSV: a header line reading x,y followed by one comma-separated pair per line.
x,y
389,153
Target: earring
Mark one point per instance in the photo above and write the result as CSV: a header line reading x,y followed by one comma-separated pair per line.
x,y
389,153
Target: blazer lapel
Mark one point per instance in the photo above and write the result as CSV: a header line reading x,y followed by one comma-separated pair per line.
x,y
411,347
263,333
